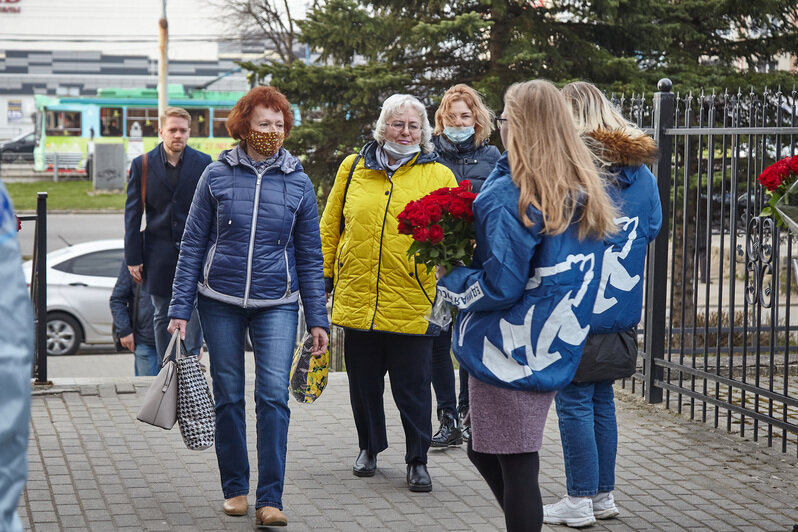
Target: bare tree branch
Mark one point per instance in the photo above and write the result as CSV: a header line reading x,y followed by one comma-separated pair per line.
x,y
270,21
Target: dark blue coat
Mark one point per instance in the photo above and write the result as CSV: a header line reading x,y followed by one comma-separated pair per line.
x,y
167,209
526,299
611,349
619,301
122,309
467,161
252,240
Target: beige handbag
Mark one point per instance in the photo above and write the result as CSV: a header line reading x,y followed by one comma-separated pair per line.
x,y
159,407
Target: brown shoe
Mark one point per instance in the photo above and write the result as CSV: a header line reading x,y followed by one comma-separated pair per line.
x,y
270,516
236,505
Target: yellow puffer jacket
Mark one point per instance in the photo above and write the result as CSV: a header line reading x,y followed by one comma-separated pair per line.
x,y
376,286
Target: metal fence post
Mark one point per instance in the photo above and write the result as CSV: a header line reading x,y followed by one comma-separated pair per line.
x,y
55,167
40,284
657,274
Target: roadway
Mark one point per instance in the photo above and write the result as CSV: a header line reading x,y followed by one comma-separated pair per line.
x,y
66,229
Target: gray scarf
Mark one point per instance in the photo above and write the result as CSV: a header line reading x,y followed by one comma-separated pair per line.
x,y
382,160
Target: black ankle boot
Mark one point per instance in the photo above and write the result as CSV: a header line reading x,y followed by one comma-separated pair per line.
x,y
449,434
418,477
365,464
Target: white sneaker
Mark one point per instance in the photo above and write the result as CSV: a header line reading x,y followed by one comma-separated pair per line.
x,y
604,505
571,511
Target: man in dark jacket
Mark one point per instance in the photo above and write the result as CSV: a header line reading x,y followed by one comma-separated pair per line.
x,y
167,186
132,310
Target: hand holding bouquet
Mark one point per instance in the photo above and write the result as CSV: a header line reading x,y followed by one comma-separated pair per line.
x,y
441,224
781,181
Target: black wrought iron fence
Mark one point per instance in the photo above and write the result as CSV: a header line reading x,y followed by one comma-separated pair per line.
x,y
38,287
720,329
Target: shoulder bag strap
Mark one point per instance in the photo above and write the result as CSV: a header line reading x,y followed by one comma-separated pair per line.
x,y
144,165
346,189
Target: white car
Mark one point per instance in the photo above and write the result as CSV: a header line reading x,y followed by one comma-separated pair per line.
x,y
80,279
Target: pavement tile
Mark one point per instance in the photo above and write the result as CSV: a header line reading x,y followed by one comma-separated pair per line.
x,y
95,467
47,527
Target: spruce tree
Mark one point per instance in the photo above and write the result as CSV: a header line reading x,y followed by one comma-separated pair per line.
x,y
369,50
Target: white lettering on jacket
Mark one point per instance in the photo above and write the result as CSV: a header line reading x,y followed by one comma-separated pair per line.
x,y
462,300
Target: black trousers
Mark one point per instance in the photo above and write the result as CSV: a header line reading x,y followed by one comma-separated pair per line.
x,y
513,479
443,376
406,360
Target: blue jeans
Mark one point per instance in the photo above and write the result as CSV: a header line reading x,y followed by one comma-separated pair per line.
x,y
589,435
146,359
160,321
273,334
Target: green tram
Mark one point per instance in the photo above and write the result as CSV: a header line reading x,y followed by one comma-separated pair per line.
x,y
66,126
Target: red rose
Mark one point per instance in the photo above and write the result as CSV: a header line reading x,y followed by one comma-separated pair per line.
x,y
792,164
416,214
441,201
19,223
420,234
405,229
774,175
459,209
434,212
466,184
435,233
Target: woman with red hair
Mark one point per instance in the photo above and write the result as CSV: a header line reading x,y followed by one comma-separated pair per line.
x,y
251,248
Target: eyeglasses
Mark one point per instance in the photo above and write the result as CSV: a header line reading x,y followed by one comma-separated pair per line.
x,y
499,121
400,126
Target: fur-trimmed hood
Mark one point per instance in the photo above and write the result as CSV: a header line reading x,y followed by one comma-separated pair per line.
x,y
619,148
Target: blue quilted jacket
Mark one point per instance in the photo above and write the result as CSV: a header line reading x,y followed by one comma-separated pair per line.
x,y
252,240
527,299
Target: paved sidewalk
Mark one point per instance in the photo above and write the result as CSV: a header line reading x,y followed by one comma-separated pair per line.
x,y
94,467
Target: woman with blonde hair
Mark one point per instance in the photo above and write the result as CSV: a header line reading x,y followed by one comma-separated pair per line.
x,y
585,408
463,125
527,297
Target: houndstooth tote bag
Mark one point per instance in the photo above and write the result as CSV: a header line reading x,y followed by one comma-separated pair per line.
x,y
195,413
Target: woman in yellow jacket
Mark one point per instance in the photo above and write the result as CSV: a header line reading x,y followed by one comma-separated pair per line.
x,y
379,294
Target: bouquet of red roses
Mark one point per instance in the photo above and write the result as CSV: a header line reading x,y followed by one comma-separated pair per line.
x,y
781,181
441,224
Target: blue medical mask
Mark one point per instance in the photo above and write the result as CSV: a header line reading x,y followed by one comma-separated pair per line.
x,y
400,151
458,134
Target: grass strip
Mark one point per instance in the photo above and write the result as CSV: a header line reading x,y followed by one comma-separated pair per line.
x,y
65,195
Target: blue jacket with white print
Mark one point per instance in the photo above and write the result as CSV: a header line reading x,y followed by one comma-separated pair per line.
x,y
252,239
527,299
619,302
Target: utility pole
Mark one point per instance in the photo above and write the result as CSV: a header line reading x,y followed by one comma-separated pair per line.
x,y
163,62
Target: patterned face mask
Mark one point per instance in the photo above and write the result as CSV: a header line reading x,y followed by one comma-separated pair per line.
x,y
266,143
